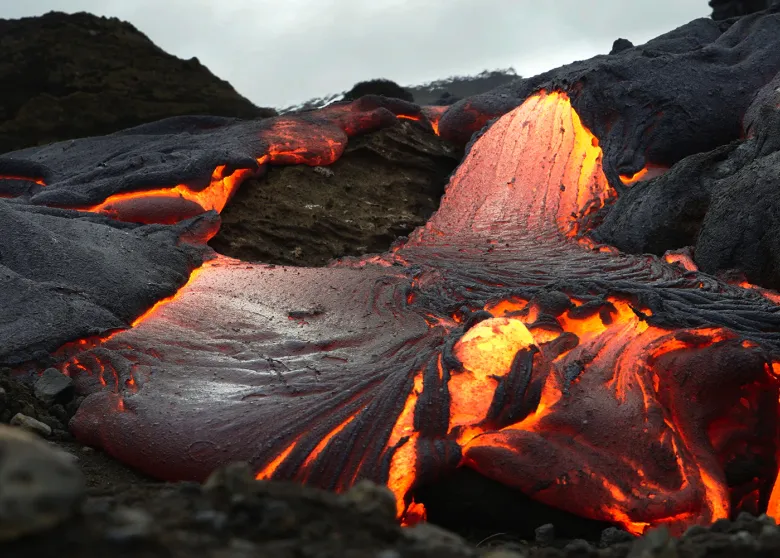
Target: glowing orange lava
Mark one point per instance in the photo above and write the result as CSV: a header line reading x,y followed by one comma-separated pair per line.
x,y
769,294
403,466
170,204
548,177
38,181
682,259
647,173
486,352
615,354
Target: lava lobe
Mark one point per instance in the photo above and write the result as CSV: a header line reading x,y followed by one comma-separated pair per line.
x,y
497,337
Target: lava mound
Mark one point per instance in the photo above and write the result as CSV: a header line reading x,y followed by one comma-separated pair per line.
x,y
500,336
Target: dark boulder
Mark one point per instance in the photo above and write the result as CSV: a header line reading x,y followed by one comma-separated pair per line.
x,y
383,87
724,203
725,9
67,76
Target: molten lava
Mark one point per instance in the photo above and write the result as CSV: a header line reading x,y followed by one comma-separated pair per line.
x,y
498,337
646,173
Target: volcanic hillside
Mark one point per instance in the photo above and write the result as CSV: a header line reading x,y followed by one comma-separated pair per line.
x,y
68,76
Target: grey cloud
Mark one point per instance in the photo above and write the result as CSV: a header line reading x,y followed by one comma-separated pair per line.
x,y
282,52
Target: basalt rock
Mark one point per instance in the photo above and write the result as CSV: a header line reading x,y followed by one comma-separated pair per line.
x,y
722,203
63,276
724,9
69,76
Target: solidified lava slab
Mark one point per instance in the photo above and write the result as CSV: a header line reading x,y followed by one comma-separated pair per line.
x,y
180,167
497,337
66,276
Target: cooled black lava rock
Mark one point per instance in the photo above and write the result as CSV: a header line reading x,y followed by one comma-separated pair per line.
x,y
64,275
724,9
724,203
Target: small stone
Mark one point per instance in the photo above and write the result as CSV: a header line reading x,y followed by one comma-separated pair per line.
x,y
432,539
87,450
545,534
130,524
743,539
613,535
3,398
721,526
216,519
695,531
234,478
324,171
746,517
769,537
371,499
656,543
766,520
31,425
41,486
388,554
243,545
577,548
53,386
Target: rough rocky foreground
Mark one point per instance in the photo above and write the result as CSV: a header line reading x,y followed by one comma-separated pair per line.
x,y
69,76
61,499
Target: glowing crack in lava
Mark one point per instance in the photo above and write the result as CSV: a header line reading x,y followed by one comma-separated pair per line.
x,y
618,387
314,138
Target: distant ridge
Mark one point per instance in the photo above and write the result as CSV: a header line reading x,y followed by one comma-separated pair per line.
x,y
439,92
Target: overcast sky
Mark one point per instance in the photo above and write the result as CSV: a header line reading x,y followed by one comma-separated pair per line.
x,y
286,51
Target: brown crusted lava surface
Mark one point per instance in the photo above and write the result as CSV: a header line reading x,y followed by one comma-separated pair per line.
x,y
383,186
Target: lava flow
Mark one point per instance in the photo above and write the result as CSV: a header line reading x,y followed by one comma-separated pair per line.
x,y
498,337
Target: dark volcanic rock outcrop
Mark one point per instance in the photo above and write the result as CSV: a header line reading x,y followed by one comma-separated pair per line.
x,y
384,87
724,203
383,186
65,275
724,9
67,76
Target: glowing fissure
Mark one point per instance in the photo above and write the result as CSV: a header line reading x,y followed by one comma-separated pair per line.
x,y
38,181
